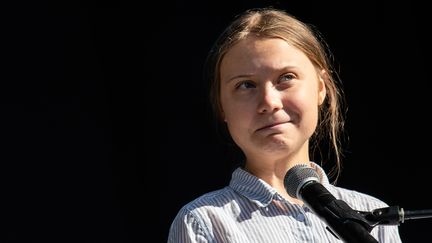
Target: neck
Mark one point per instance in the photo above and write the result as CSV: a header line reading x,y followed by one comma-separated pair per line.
x,y
274,176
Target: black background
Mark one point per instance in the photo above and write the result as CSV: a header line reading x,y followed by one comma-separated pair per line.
x,y
106,131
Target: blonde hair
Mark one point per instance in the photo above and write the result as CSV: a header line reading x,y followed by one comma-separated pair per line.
x,y
273,23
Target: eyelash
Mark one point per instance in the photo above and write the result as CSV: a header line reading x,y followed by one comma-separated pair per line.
x,y
290,76
238,86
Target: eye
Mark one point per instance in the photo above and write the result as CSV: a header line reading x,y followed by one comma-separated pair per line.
x,y
245,85
287,77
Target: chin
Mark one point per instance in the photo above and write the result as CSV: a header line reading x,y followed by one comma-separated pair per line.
x,y
276,145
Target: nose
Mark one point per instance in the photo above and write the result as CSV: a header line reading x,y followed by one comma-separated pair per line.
x,y
269,100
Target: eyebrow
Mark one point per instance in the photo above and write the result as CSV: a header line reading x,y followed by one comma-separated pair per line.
x,y
289,67
239,76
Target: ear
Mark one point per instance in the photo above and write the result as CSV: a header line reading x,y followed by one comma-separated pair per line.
x,y
322,90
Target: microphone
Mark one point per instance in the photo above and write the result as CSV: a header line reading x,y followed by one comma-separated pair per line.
x,y
348,225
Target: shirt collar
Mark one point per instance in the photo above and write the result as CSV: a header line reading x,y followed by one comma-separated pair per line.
x,y
257,190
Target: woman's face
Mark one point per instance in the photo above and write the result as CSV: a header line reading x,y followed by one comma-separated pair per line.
x,y
270,93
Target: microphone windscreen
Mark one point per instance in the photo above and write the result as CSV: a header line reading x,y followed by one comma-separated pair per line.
x,y
297,177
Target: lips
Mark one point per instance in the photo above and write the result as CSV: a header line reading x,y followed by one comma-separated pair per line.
x,y
271,125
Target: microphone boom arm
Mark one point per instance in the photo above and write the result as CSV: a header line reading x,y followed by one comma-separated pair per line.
x,y
393,215
344,223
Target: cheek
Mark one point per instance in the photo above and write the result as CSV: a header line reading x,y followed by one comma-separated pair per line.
x,y
232,109
237,119
299,97
235,113
301,105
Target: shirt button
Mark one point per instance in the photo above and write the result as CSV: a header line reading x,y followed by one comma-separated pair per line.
x,y
300,217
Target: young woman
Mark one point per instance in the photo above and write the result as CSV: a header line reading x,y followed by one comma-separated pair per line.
x,y
274,89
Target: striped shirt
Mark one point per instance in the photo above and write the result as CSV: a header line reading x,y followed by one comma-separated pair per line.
x,y
250,210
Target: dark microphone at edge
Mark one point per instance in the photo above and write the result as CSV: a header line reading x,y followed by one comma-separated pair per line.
x,y
302,182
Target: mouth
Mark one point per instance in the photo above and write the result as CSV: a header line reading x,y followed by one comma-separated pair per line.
x,y
272,125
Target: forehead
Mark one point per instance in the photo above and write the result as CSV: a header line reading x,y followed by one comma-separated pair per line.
x,y
252,54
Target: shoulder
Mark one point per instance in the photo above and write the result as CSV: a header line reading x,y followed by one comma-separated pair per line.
x,y
213,198
205,204
357,200
195,218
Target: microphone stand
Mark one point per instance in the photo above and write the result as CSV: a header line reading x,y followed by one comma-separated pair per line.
x,y
342,221
393,215
345,223
353,226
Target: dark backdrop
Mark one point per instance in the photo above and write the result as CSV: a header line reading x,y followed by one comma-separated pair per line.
x,y
106,131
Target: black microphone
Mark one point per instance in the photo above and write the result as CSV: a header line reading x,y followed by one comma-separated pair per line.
x,y
302,182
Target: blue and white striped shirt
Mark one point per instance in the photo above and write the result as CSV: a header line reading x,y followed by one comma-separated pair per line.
x,y
250,210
